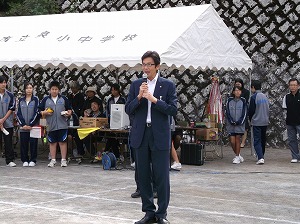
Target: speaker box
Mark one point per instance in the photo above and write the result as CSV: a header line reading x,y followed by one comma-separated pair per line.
x,y
118,118
192,154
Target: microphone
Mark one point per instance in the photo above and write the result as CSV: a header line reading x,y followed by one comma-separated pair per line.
x,y
145,77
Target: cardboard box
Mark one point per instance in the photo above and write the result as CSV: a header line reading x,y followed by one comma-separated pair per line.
x,y
90,122
207,134
206,124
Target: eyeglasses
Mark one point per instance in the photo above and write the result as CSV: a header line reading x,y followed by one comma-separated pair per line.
x,y
147,65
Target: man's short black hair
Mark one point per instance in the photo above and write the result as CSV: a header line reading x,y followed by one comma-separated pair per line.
x,y
152,54
116,87
2,79
256,84
240,81
294,79
54,83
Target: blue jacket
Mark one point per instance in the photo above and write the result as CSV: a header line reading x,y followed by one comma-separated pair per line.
x,y
259,109
7,103
56,121
28,114
166,106
236,114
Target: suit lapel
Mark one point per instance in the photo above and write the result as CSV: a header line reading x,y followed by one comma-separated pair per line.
x,y
158,88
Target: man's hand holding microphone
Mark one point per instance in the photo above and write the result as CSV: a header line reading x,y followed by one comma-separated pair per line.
x,y
144,91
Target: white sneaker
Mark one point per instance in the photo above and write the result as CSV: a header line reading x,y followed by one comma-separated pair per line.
x,y
176,166
260,162
11,164
241,159
236,160
52,163
31,164
63,163
25,164
294,161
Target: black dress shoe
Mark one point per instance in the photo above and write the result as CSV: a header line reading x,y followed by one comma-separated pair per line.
x,y
154,194
136,194
146,219
162,221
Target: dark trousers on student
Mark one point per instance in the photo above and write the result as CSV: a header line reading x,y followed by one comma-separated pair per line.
x,y
259,138
8,145
26,142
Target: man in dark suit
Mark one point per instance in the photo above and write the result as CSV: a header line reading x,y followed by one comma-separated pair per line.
x,y
151,101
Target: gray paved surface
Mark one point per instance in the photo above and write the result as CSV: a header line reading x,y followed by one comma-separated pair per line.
x,y
217,192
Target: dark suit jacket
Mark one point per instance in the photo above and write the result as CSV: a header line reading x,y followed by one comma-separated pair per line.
x,y
166,106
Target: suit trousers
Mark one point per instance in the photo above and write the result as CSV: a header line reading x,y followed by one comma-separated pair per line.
x,y
153,166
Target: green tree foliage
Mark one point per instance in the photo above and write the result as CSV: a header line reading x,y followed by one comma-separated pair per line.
x,y
29,7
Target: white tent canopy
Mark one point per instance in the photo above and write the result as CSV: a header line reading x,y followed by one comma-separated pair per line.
x,y
183,36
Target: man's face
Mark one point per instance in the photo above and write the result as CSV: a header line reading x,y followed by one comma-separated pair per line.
x,y
90,94
95,107
149,67
54,91
237,93
114,92
3,86
293,86
74,90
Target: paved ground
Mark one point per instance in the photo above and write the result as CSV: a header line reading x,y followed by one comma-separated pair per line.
x,y
217,192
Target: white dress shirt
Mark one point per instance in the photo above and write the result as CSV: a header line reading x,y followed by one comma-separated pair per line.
x,y
151,87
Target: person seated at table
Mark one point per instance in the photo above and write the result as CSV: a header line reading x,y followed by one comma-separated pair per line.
x,y
112,144
91,97
95,112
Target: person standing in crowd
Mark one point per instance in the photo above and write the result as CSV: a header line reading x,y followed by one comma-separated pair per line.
x,y
246,94
91,97
151,101
116,98
236,114
57,109
76,99
28,116
8,105
291,104
259,118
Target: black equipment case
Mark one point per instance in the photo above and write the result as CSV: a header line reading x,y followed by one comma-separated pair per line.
x,y
192,154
